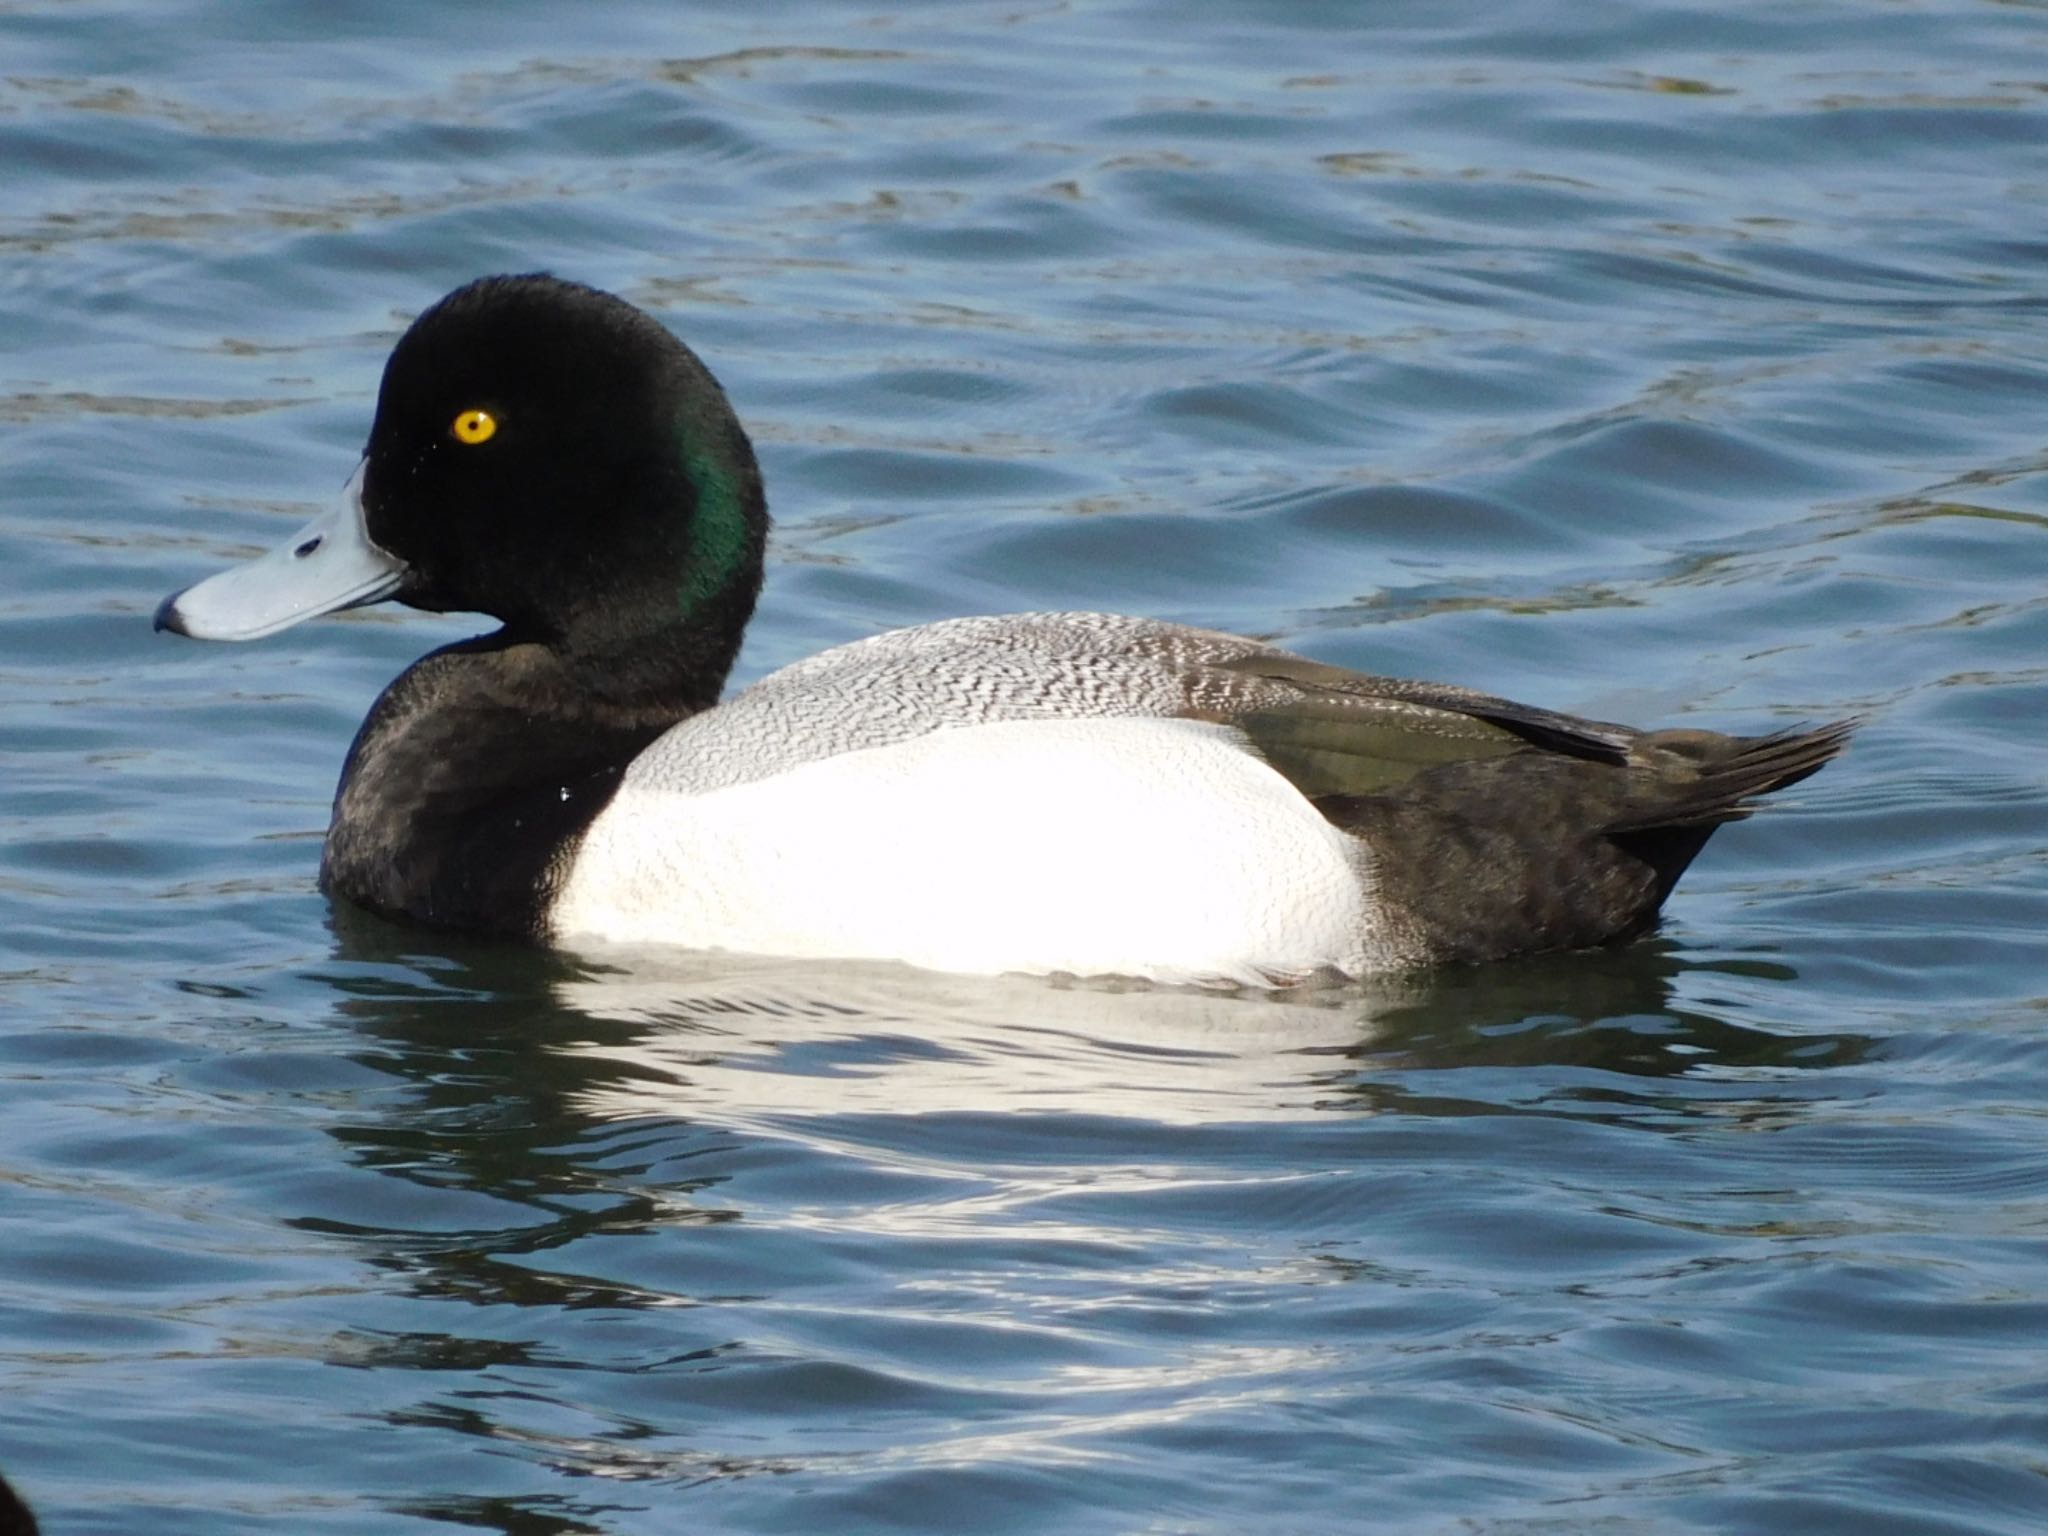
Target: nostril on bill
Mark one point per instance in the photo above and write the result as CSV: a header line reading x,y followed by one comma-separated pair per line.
x,y
308,547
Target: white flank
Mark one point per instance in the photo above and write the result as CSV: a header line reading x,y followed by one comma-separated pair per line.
x,y
1159,848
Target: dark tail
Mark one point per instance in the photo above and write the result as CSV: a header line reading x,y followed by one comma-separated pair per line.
x,y
1726,773
1701,779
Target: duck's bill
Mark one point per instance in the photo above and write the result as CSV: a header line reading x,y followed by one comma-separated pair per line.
x,y
327,565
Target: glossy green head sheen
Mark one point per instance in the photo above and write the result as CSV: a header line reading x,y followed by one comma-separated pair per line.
x,y
722,533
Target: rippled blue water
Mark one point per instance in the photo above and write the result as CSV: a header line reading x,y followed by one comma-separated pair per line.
x,y
1668,362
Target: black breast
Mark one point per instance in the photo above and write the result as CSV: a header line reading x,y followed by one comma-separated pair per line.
x,y
471,784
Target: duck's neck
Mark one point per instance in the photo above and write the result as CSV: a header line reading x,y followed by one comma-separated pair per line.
x,y
472,781
676,669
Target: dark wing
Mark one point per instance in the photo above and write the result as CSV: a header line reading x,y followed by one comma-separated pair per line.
x,y
1333,731
1496,828
1535,850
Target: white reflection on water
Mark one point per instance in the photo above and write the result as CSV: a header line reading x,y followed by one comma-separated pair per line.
x,y
747,1041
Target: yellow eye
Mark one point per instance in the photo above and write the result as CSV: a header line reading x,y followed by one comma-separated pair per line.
x,y
475,427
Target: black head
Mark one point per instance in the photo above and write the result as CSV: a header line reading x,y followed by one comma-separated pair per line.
x,y
551,456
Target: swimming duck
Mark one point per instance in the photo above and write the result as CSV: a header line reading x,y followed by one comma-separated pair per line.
x,y
15,1518
1046,792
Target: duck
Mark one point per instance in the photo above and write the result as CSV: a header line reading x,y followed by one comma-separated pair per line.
x,y
1063,794
16,1519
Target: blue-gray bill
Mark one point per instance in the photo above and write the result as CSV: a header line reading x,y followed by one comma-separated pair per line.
x,y
329,564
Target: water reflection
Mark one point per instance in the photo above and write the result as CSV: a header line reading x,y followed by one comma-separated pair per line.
x,y
692,1208
766,1044
770,1046
1471,1043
